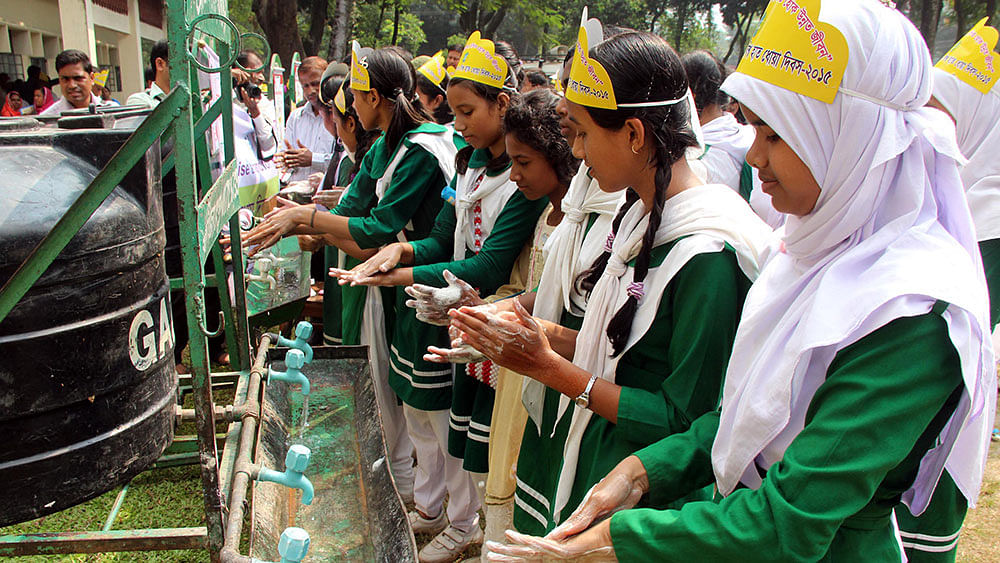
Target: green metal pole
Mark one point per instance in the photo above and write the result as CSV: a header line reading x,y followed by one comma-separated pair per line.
x,y
92,197
187,199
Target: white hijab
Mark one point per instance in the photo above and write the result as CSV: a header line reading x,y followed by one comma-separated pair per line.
x,y
726,146
890,234
977,122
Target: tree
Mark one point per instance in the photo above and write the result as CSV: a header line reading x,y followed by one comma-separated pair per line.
x,y
372,28
341,29
740,14
317,17
276,17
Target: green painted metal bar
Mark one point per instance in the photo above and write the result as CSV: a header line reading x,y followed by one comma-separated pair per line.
x,y
194,283
55,543
211,280
119,500
205,121
88,201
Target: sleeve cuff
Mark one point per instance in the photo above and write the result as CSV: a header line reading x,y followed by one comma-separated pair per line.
x,y
320,160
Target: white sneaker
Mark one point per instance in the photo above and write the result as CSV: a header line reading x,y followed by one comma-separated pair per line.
x,y
421,525
449,544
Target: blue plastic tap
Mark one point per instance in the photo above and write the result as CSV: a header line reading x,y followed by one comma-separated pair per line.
x,y
294,360
296,461
303,331
292,546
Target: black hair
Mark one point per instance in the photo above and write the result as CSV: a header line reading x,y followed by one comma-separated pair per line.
x,y
365,138
490,94
705,74
442,114
456,47
642,68
149,74
394,79
243,58
536,77
72,57
158,51
533,121
405,54
328,89
34,72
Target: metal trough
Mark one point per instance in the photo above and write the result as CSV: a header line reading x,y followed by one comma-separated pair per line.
x,y
356,514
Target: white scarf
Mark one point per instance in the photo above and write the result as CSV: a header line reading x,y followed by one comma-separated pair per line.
x,y
709,217
570,250
493,192
976,121
727,143
890,234
439,144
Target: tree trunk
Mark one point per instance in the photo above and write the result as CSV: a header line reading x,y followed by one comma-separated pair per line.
x,y
930,15
736,36
493,22
682,15
317,25
960,13
341,29
991,12
276,17
378,23
395,23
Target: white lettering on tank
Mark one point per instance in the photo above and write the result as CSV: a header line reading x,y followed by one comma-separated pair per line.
x,y
142,359
166,330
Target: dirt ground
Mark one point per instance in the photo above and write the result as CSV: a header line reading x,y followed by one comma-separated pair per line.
x,y
980,540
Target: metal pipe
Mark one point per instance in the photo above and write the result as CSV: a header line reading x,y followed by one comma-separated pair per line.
x,y
227,413
244,462
117,506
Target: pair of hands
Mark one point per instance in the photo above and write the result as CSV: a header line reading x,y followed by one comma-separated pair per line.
x,y
277,223
294,157
586,534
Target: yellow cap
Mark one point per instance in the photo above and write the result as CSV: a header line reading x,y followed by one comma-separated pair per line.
x,y
101,77
589,83
434,70
480,63
973,59
340,101
360,80
796,51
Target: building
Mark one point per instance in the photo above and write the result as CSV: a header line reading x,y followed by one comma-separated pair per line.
x,y
117,34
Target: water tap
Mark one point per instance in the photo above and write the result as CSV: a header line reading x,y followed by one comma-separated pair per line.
x,y
294,360
292,546
264,265
296,461
303,331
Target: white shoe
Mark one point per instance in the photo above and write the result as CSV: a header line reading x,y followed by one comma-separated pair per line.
x,y
449,544
421,525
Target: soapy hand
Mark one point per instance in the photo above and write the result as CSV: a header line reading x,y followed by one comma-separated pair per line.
x,y
459,353
368,272
433,303
592,545
513,340
620,489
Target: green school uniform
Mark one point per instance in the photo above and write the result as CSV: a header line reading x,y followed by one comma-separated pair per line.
x,y
332,293
990,249
470,400
669,378
831,496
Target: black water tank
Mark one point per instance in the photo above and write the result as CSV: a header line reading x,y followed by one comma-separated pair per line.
x,y
87,380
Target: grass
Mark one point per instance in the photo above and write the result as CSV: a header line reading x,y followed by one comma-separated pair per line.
x,y
979,542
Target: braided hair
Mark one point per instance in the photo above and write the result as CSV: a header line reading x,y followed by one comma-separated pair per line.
x,y
642,68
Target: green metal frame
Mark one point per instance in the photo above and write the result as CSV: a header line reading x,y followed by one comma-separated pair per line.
x,y
204,207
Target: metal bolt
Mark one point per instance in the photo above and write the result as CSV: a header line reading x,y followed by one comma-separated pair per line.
x,y
304,330
294,359
297,458
293,544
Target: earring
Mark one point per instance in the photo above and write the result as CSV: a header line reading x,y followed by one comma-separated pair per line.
x,y
634,151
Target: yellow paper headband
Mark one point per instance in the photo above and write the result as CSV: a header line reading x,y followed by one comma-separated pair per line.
x,y
101,77
340,101
480,63
589,83
434,70
360,79
973,60
796,51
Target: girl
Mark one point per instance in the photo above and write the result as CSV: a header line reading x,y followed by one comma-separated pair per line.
x,y
726,141
43,98
482,234
542,166
12,105
665,294
934,536
826,420
395,195
432,78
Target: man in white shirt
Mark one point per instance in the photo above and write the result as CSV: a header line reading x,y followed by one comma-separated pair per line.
x,y
152,96
76,81
308,144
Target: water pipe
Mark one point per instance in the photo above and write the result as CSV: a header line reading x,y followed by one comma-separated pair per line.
x,y
296,461
294,360
303,331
